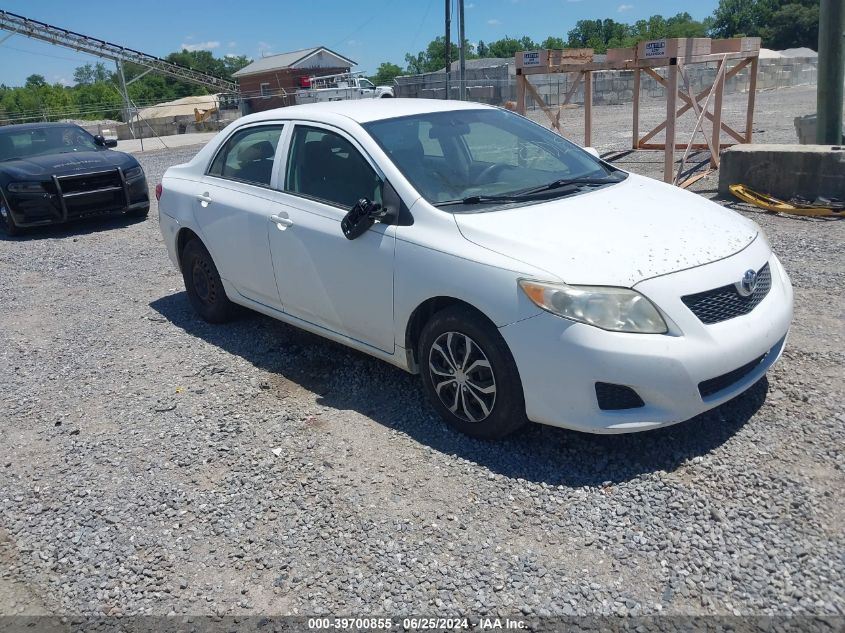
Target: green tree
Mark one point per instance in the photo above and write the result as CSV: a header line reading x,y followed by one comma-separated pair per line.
x,y
553,42
91,73
780,23
386,73
509,46
792,26
35,81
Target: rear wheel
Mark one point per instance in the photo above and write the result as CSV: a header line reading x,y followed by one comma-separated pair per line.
x,y
202,282
470,375
7,224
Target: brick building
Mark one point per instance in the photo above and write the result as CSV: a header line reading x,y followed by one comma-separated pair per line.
x,y
272,81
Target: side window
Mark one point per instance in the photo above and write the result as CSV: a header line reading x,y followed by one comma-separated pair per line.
x,y
248,156
324,165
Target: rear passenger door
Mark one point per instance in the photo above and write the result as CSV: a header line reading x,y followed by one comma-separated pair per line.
x,y
234,201
342,285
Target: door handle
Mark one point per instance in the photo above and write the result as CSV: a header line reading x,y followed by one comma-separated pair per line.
x,y
282,221
204,199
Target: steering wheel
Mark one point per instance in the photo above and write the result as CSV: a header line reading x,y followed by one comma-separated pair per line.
x,y
488,171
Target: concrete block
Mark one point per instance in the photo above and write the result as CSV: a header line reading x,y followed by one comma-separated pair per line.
x,y
785,171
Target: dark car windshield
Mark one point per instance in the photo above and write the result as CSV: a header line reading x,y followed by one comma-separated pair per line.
x,y
15,144
465,158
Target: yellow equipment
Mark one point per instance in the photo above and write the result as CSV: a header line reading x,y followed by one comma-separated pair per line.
x,y
201,116
770,203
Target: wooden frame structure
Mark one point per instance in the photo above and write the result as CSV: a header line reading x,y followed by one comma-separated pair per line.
x,y
730,57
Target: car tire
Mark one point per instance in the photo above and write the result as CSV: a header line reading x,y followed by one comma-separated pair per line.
x,y
469,374
7,224
202,282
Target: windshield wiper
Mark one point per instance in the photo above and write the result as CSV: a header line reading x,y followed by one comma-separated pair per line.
x,y
481,200
573,182
527,194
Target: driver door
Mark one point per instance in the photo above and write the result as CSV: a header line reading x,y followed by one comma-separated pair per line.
x,y
345,286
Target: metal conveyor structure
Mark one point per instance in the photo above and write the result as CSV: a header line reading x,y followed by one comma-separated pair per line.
x,y
119,54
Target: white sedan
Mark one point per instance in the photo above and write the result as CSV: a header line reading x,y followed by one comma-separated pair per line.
x,y
521,276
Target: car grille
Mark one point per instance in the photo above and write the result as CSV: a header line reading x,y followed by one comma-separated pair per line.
x,y
91,182
721,304
714,385
91,194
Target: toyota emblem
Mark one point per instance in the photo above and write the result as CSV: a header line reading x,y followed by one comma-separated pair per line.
x,y
748,284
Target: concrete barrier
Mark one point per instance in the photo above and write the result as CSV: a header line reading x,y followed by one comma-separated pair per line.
x,y
785,171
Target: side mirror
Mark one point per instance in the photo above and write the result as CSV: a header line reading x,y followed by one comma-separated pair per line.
x,y
103,142
592,151
361,217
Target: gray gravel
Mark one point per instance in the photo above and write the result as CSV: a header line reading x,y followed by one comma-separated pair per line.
x,y
153,464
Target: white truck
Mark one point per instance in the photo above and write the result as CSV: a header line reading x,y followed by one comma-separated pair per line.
x,y
340,87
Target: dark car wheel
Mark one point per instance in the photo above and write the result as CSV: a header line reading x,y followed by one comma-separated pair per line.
x,y
202,281
470,375
7,224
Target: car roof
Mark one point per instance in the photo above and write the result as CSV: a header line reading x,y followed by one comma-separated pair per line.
x,y
366,110
23,127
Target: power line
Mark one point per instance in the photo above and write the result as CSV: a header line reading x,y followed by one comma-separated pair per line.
x,y
420,27
363,24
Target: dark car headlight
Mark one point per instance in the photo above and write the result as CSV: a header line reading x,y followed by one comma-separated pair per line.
x,y
25,187
133,173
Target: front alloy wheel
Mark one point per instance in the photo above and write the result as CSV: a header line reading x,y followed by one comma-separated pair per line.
x,y
469,374
462,376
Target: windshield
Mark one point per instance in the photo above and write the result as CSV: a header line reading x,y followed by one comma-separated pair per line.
x,y
15,144
365,83
470,157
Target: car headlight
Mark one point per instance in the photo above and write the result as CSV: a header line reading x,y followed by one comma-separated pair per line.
x,y
132,173
608,308
25,187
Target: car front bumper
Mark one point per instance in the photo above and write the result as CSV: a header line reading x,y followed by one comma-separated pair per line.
x,y
54,206
561,361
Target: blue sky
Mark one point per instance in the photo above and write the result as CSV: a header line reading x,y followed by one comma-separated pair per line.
x,y
367,31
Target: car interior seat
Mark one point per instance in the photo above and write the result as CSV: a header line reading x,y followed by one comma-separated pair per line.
x,y
255,162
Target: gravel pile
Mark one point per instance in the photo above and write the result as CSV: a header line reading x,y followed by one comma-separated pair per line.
x,y
154,464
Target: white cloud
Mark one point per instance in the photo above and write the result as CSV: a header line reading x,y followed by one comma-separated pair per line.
x,y
493,22
232,44
201,46
624,7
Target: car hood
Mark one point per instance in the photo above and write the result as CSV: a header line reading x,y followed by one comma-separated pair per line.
x,y
614,236
68,163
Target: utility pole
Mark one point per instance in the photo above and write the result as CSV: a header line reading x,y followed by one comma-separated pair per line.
x,y
462,53
448,44
829,92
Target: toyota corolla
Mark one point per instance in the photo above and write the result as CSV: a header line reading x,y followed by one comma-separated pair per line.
x,y
521,276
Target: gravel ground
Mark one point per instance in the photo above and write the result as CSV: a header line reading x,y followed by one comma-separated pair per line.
x,y
154,464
